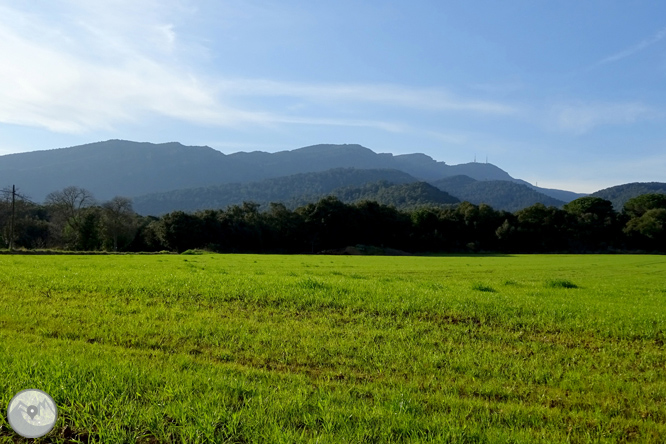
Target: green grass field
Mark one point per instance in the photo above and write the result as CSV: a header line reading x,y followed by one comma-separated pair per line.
x,y
334,349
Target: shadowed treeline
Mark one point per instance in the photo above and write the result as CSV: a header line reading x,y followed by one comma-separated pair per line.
x,y
72,220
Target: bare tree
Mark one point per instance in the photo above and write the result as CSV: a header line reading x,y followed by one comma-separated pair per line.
x,y
70,201
67,207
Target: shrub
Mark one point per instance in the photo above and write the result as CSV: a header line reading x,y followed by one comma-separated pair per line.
x,y
560,283
193,252
311,284
483,287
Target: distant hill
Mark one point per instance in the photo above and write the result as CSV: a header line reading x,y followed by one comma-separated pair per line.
x,y
402,196
499,194
292,190
120,167
620,194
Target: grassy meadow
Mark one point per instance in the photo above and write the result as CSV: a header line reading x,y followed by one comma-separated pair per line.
x,y
338,349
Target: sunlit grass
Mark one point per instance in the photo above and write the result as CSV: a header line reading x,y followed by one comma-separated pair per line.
x,y
246,348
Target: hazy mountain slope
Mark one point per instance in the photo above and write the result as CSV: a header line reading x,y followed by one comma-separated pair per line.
x,y
499,194
563,195
118,167
620,194
316,158
323,157
291,190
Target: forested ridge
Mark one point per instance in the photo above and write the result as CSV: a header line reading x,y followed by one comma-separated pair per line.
x,y
71,219
500,194
402,196
293,191
620,194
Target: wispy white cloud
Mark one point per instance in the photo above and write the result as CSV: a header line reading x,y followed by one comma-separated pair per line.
x,y
377,124
420,98
85,66
82,74
660,35
581,117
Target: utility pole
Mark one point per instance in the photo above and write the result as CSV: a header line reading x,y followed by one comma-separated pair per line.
x,y
11,228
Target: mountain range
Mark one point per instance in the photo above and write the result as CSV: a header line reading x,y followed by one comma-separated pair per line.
x,y
170,176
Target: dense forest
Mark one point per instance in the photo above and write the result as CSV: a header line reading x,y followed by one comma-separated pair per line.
x,y
620,194
71,219
499,194
293,191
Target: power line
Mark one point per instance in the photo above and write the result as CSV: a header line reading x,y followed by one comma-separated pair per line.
x,y
11,230
7,192
14,195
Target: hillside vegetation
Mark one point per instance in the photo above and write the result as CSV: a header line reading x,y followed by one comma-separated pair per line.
x,y
499,194
404,196
292,191
620,194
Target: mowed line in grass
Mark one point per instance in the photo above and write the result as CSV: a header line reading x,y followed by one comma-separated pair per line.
x,y
401,349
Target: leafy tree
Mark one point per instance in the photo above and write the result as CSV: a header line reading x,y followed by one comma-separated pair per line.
x,y
537,229
284,229
478,225
507,234
31,226
639,205
592,223
427,229
146,237
590,205
381,225
242,228
179,231
119,222
652,225
643,218
329,223
88,230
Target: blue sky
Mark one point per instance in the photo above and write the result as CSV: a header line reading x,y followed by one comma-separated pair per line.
x,y
568,94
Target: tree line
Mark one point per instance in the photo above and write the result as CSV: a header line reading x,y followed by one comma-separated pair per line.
x,y
71,219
